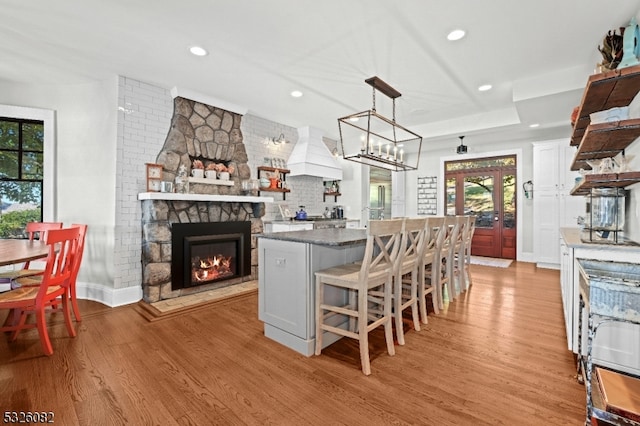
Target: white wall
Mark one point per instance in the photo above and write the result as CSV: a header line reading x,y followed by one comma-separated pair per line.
x,y
85,167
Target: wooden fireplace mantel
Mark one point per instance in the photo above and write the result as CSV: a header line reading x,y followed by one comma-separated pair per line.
x,y
171,196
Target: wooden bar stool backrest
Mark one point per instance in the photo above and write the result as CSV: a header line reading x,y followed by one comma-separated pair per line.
x,y
383,246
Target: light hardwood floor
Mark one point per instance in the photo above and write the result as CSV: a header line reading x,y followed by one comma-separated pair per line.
x,y
495,356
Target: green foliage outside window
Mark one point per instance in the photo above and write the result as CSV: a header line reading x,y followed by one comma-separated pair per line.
x,y
21,175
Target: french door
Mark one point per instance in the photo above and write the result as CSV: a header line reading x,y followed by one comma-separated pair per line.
x,y
485,188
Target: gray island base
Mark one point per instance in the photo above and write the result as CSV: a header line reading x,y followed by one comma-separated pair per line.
x,y
287,263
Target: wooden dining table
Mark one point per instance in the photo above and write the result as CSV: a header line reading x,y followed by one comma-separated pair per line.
x,y
14,251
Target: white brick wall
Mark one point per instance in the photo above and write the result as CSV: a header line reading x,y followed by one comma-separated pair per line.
x,y
143,122
305,190
427,195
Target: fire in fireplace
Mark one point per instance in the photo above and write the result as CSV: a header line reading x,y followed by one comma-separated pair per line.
x,y
205,253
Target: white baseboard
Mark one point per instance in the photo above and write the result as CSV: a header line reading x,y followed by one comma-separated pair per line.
x,y
111,297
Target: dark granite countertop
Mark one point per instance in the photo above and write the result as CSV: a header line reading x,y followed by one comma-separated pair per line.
x,y
325,237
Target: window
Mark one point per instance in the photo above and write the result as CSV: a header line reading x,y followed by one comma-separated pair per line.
x,y
21,174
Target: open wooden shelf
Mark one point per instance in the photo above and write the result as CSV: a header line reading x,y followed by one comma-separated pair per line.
x,y
604,140
610,89
283,175
609,180
330,194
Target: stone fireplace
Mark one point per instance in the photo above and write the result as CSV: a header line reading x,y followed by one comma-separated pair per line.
x,y
211,135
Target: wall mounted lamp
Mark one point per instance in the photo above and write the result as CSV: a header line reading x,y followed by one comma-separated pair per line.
x,y
462,148
276,141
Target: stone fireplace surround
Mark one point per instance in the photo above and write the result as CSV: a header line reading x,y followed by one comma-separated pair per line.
x,y
197,131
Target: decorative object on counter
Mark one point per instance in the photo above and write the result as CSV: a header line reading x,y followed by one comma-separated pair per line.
x,y
609,115
630,48
611,49
265,182
166,186
372,139
278,163
249,187
301,214
197,169
285,211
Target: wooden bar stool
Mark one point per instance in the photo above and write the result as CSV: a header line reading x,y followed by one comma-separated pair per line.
x,y
368,285
428,276
405,283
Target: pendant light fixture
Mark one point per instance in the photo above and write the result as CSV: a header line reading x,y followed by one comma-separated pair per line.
x,y
462,148
372,139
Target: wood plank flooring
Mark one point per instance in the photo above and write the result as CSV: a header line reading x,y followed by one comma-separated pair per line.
x,y
495,356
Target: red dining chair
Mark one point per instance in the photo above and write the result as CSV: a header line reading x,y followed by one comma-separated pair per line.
x,y
60,262
35,231
30,281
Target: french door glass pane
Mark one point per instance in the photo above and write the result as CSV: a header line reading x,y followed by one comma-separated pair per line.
x,y
478,199
451,197
509,201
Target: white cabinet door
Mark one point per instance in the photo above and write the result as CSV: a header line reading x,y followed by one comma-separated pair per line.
x,y
352,224
546,166
546,235
284,289
553,206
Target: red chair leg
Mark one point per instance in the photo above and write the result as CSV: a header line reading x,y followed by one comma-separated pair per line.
x,y
41,324
74,303
67,316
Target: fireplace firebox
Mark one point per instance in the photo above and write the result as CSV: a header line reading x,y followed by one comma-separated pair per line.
x,y
209,252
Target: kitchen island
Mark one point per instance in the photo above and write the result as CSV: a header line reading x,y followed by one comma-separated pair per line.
x,y
287,262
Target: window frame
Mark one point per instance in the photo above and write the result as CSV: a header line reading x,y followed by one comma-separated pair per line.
x,y
49,208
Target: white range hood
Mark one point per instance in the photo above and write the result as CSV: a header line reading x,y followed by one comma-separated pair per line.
x,y
311,157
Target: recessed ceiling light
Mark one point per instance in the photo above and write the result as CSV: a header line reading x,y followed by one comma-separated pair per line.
x,y
485,87
455,35
534,125
296,93
198,51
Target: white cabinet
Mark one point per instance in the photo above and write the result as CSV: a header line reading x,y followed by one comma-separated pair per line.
x,y
352,224
553,206
617,344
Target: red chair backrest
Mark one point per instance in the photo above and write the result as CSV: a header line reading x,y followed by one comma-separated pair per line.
x,y
40,229
63,248
81,240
